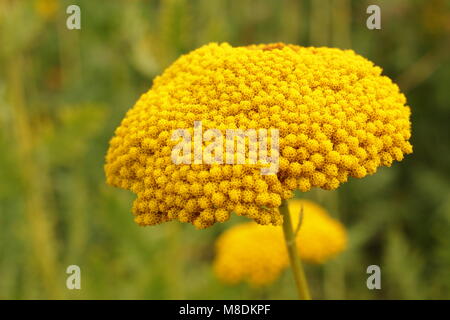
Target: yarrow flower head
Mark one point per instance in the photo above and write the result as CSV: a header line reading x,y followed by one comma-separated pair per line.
x,y
257,254
336,114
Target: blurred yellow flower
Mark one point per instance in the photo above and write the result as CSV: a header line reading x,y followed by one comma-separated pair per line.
x,y
46,8
336,114
257,254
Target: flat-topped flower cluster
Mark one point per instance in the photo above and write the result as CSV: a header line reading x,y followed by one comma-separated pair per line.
x,y
337,117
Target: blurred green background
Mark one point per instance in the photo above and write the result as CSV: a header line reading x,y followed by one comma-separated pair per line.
x,y
63,92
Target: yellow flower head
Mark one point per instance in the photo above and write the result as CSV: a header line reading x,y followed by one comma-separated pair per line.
x,y
47,9
336,115
257,254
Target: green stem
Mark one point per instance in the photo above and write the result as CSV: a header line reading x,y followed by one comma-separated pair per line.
x,y
294,258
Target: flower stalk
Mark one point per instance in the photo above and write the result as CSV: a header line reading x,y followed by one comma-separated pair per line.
x,y
294,258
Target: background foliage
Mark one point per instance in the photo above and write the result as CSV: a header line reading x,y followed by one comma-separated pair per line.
x,y
62,93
